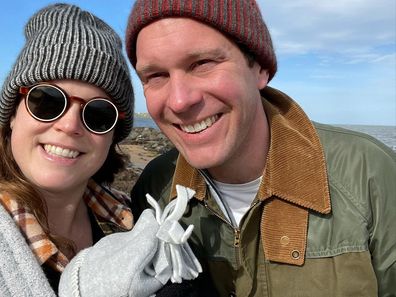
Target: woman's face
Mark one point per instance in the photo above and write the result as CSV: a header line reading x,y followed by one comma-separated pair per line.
x,y
61,155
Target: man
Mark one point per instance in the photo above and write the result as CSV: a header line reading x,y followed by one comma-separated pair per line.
x,y
283,206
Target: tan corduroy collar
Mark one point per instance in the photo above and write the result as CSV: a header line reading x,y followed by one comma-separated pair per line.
x,y
294,181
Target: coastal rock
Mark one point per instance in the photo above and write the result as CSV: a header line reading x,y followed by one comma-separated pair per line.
x,y
142,145
151,139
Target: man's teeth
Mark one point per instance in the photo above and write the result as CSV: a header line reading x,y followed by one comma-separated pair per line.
x,y
62,152
198,127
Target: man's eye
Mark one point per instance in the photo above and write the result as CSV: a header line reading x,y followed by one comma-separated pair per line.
x,y
204,61
154,78
156,75
203,64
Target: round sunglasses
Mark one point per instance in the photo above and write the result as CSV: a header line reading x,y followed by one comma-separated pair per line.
x,y
47,103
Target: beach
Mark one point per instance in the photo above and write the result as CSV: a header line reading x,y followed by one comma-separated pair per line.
x,y
138,158
141,146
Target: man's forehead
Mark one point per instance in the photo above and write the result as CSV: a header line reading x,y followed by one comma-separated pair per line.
x,y
188,28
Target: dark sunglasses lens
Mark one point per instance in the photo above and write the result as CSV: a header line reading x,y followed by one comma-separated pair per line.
x,y
46,103
100,116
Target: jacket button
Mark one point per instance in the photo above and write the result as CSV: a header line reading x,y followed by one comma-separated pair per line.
x,y
295,254
232,294
284,241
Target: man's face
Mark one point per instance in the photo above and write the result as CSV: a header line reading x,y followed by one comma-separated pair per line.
x,y
201,92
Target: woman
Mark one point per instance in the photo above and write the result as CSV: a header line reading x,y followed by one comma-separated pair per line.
x,y
65,105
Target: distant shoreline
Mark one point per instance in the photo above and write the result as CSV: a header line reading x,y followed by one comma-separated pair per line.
x,y
146,115
142,115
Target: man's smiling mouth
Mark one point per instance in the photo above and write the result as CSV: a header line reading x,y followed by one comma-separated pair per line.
x,y
201,126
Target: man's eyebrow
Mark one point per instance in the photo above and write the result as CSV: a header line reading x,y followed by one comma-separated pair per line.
x,y
145,69
213,53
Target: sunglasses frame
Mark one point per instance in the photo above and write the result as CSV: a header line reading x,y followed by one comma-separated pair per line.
x,y
68,100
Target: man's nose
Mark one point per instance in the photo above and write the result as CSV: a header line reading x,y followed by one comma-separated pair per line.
x,y
183,93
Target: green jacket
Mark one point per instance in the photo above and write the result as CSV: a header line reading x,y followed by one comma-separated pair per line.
x,y
323,222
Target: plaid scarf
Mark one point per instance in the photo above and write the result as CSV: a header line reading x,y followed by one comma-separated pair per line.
x,y
110,210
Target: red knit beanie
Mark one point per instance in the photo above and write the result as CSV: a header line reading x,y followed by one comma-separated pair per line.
x,y
239,20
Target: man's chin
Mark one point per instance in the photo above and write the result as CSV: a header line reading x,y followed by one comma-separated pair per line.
x,y
202,162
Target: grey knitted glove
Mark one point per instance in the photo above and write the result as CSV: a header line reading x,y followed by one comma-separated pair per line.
x,y
139,262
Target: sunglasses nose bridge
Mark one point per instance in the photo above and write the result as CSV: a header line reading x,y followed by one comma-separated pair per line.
x,y
77,100
70,122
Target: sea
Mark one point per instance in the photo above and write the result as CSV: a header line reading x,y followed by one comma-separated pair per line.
x,y
386,134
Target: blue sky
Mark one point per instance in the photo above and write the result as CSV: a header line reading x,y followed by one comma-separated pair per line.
x,y
337,58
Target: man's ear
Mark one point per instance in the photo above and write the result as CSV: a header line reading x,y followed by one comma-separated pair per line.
x,y
262,78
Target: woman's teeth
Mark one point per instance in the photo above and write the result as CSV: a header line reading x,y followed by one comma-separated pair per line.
x,y
198,127
62,152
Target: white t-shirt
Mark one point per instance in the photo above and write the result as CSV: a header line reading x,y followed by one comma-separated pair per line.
x,y
238,197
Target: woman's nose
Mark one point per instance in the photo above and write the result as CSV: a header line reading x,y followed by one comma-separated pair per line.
x,y
70,122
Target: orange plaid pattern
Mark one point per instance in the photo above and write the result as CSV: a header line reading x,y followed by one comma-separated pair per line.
x,y
110,210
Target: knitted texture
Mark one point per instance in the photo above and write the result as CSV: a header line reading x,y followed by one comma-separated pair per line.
x,y
20,273
239,20
65,42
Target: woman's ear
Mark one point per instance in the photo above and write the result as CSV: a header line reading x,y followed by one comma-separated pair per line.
x,y
14,114
12,121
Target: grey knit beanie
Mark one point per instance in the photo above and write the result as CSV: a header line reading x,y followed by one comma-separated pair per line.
x,y
239,20
65,42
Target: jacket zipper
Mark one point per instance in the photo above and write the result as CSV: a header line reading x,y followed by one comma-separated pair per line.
x,y
237,233
237,237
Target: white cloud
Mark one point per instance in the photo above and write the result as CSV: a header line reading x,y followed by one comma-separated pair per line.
x,y
387,59
347,27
